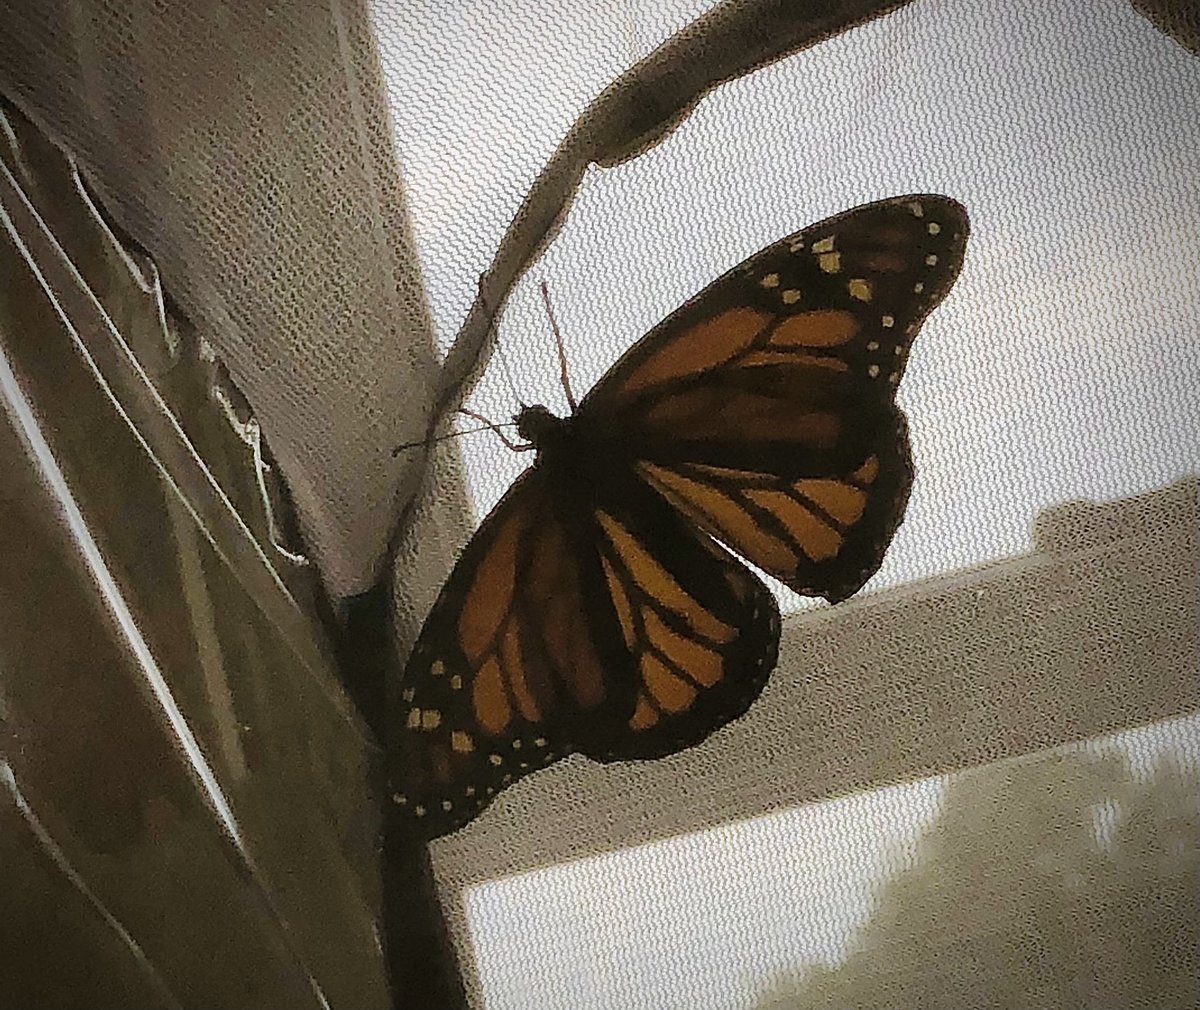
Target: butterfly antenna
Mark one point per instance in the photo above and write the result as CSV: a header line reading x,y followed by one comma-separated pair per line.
x,y
456,434
498,429
558,343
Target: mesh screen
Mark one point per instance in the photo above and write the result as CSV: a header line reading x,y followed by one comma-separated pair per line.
x,y
248,148
975,786
812,855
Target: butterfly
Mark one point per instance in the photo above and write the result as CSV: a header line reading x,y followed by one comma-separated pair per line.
x,y
603,607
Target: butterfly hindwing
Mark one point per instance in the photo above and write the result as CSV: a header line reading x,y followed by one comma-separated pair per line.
x,y
701,632
764,408
575,622
820,535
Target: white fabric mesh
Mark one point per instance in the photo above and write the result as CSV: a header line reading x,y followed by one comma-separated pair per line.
x,y
248,148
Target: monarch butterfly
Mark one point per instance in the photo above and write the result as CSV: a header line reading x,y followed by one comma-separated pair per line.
x,y
602,608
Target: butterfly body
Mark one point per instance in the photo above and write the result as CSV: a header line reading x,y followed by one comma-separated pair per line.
x,y
602,607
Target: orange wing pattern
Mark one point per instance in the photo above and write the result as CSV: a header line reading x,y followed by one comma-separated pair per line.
x,y
845,296
763,409
603,625
821,536
599,608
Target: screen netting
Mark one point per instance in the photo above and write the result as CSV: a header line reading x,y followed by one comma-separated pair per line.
x,y
976,785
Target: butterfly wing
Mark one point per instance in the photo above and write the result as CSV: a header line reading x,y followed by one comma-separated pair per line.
x,y
700,631
603,625
590,613
763,409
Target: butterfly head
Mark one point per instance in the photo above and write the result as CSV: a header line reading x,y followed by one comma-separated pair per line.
x,y
541,428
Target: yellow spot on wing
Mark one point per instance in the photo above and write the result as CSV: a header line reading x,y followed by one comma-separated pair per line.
x,y
825,245
461,742
431,718
831,263
859,289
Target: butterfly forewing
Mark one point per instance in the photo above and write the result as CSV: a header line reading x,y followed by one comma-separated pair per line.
x,y
763,409
845,296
